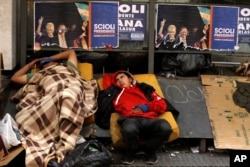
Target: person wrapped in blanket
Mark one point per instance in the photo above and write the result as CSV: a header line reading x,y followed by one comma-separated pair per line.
x,y
51,107
139,106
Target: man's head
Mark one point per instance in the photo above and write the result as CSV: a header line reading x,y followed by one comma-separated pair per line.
x,y
50,28
172,31
183,32
62,29
123,79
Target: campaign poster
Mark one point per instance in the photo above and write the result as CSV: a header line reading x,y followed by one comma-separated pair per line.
x,y
224,30
182,27
104,24
244,25
83,25
132,22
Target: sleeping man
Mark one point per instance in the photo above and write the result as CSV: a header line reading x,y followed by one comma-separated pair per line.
x,y
52,106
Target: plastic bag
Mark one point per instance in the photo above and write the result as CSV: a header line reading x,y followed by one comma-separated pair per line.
x,y
9,132
185,64
191,64
91,153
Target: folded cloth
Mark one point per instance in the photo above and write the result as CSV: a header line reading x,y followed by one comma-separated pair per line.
x,y
143,107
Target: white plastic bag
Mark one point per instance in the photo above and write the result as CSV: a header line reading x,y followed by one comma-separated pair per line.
x,y
9,132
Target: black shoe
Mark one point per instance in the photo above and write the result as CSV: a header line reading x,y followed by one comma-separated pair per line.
x,y
53,163
151,159
128,160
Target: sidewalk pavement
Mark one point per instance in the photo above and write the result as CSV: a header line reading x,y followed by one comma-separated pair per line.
x,y
181,153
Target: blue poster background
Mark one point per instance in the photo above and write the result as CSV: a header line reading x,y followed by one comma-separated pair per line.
x,y
224,28
104,24
132,22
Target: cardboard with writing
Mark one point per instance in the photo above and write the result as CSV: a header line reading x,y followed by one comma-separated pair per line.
x,y
229,122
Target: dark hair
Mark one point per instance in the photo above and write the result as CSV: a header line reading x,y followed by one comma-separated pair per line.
x,y
123,72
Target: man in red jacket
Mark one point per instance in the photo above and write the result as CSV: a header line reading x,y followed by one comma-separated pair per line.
x,y
139,106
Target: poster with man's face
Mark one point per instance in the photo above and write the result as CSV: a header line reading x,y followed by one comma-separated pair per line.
x,y
182,27
83,25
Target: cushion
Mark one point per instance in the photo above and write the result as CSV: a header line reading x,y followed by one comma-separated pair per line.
x,y
86,71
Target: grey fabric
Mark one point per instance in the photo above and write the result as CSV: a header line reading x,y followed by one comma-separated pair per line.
x,y
241,96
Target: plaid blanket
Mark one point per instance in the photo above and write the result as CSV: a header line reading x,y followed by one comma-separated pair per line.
x,y
52,108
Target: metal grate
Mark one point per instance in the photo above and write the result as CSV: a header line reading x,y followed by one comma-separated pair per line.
x,y
180,159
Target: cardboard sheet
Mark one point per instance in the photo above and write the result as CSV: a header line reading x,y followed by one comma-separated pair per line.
x,y
230,123
5,159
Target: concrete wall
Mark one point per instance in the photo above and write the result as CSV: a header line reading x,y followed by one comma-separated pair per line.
x,y
8,33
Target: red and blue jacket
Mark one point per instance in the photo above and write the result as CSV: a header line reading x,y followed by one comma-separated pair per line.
x,y
138,94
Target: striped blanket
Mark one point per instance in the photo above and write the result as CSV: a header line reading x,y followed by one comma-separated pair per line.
x,y
52,108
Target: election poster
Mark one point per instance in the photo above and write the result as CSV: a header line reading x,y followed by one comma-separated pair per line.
x,y
224,31
193,27
182,27
104,24
244,25
84,25
132,22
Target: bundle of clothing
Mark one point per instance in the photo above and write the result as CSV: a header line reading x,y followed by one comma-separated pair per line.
x,y
52,107
241,96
